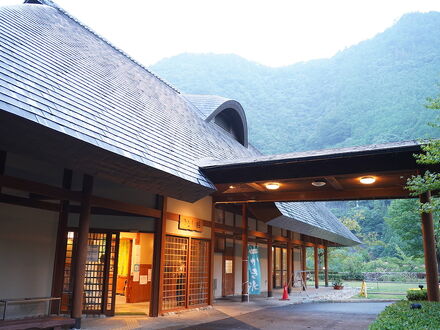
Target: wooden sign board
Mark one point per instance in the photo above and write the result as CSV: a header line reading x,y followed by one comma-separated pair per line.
x,y
190,223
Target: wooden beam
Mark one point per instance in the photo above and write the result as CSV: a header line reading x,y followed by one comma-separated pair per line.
x,y
326,266
158,258
307,196
303,262
39,188
125,207
429,247
289,261
316,266
269,262
256,186
334,182
65,194
211,256
81,251
60,251
3,156
244,254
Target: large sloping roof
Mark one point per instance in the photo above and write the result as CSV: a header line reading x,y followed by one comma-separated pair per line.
x,y
58,74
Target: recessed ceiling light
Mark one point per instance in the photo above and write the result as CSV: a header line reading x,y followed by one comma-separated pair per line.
x,y
272,185
231,187
367,179
319,183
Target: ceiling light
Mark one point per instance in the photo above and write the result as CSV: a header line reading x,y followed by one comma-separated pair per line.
x,y
272,185
367,179
231,187
319,183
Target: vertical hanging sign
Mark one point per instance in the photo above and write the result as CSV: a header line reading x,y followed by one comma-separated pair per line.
x,y
254,270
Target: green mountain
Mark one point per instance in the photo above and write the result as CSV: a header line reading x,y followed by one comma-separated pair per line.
x,y
372,92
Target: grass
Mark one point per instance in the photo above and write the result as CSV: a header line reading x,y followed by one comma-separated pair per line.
x,y
378,290
399,316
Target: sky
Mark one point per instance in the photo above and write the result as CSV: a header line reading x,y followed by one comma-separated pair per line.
x,y
272,32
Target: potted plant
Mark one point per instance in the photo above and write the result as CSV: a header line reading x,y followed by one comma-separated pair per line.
x,y
337,284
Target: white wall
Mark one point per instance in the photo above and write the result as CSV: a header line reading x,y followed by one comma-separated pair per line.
x,y
27,248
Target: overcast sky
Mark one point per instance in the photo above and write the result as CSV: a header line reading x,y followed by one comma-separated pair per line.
x,y
272,32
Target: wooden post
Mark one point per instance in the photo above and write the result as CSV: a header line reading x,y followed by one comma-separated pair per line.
x,y
289,261
303,262
158,259
429,247
211,256
60,252
81,248
316,272
269,262
2,164
244,254
326,266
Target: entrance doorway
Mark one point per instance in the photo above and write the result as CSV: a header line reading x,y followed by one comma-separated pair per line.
x,y
118,273
134,273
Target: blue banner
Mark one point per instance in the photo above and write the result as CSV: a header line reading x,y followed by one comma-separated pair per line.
x,y
254,270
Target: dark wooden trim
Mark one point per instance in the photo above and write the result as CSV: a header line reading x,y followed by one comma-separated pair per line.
x,y
310,196
81,257
269,262
289,261
125,207
65,194
60,252
326,266
303,262
108,246
429,246
244,254
3,158
158,259
316,266
211,257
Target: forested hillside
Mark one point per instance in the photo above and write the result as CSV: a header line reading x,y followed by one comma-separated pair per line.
x,y
372,92
369,93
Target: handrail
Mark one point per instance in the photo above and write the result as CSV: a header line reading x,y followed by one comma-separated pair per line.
x,y
6,302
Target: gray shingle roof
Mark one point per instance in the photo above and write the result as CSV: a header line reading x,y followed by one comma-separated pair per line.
x,y
56,72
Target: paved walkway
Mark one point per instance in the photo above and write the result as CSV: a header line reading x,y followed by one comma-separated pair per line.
x,y
258,313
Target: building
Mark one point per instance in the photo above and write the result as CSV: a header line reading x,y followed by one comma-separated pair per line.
x,y
103,200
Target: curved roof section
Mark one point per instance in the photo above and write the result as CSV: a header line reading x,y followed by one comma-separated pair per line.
x,y
211,106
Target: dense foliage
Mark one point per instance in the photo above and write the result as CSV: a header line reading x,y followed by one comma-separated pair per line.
x,y
417,294
400,316
369,93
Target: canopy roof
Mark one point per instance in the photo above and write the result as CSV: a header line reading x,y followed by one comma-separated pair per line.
x,y
340,170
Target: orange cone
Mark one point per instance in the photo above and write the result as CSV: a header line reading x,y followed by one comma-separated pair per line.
x,y
285,293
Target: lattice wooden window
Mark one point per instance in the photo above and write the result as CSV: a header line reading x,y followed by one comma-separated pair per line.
x,y
175,273
198,272
94,273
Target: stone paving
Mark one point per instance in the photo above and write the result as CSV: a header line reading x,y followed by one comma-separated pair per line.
x,y
222,309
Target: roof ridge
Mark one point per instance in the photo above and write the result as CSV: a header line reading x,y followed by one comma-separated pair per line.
x,y
52,4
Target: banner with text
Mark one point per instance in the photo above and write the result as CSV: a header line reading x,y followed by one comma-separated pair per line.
x,y
254,270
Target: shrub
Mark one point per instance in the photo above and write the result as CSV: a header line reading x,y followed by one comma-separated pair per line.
x,y
400,316
417,294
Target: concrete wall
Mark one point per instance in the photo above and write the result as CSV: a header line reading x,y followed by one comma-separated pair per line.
x,y
27,247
